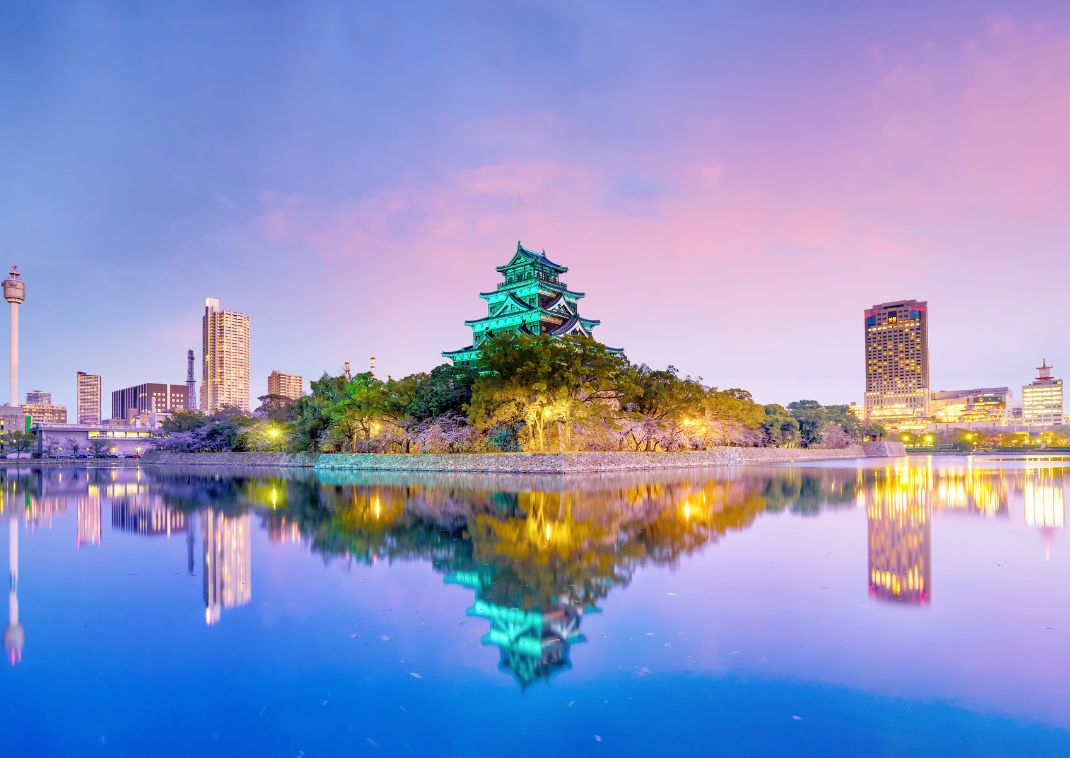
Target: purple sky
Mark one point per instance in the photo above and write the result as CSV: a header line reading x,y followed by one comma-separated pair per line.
x,y
731,186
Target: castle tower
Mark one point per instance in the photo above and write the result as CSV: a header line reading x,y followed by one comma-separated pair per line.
x,y
531,300
15,294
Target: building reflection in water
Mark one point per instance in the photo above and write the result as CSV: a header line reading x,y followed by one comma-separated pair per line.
x,y
227,562
899,519
538,554
89,518
1044,502
968,489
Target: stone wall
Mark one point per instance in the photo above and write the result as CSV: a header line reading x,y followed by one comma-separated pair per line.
x,y
886,449
561,463
524,463
162,457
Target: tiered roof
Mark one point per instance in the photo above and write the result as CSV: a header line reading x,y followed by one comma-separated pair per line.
x,y
531,299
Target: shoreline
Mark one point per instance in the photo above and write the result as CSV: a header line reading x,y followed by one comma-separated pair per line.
x,y
527,463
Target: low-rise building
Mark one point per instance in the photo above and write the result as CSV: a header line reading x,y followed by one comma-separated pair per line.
x,y
979,406
41,413
14,419
108,439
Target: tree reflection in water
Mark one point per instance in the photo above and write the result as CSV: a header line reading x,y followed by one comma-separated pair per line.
x,y
538,553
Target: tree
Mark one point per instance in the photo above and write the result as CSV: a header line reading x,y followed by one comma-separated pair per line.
x,y
50,446
278,408
72,445
98,448
541,381
447,389
20,442
779,428
810,416
184,421
312,424
357,415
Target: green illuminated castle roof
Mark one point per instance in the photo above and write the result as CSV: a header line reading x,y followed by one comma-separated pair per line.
x,y
531,299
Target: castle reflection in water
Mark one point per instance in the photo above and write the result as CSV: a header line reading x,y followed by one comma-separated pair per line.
x,y
537,553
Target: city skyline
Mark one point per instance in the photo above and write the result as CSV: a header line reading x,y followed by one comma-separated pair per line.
x,y
730,196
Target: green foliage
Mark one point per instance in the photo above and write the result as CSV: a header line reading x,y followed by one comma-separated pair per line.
x,y
447,389
543,382
184,421
278,408
779,428
19,442
312,423
504,438
830,425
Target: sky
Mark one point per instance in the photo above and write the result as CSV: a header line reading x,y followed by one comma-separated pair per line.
x,y
731,184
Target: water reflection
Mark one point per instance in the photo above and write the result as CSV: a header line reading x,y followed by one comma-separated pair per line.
x,y
899,519
538,554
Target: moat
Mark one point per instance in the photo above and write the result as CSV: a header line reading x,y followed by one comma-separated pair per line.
x,y
879,606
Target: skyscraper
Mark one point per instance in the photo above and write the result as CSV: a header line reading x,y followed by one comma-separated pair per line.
x,y
897,361
225,376
285,385
1042,399
88,398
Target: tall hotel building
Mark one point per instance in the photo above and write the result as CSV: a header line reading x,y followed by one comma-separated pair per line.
x,y
88,398
225,345
897,362
1042,399
285,385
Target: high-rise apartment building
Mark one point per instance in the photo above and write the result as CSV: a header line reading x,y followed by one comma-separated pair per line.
x,y
88,398
1042,399
38,397
897,361
152,397
225,347
285,385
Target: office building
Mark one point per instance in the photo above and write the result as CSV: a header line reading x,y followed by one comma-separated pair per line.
x,y
38,397
1042,399
45,413
153,397
88,398
897,362
285,385
225,347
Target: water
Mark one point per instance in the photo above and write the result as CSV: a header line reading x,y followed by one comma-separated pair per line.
x,y
877,608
